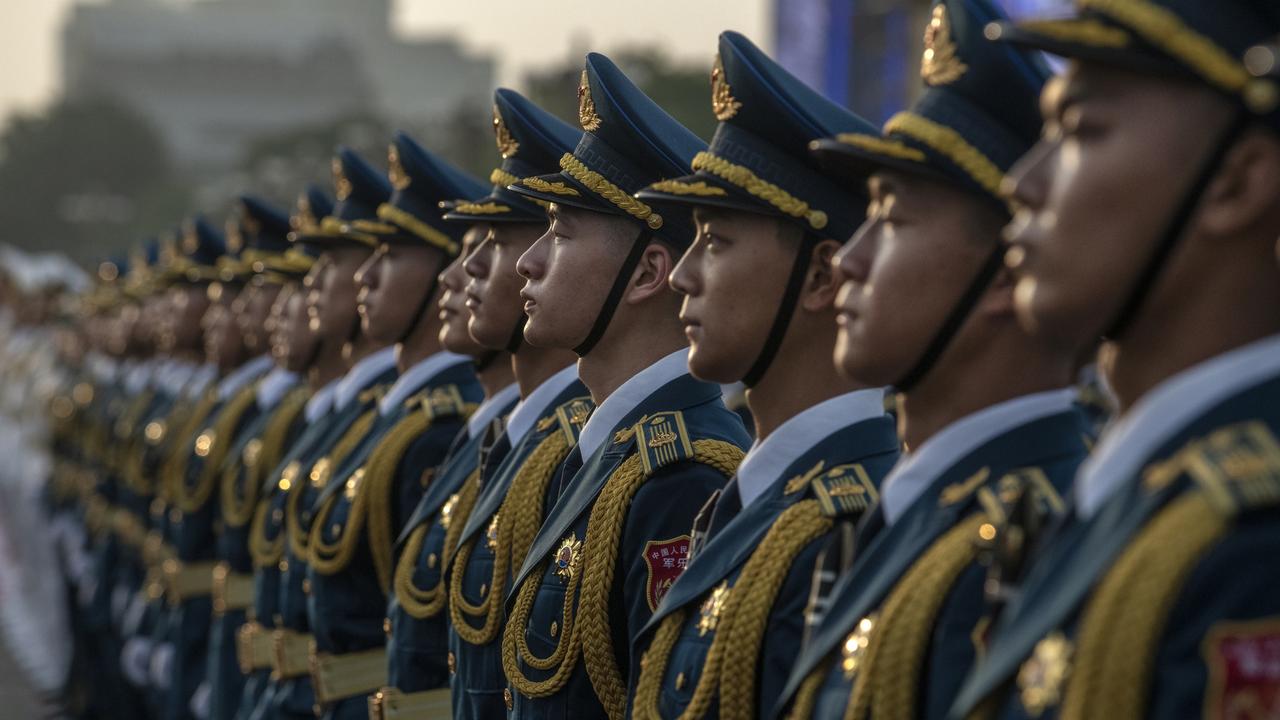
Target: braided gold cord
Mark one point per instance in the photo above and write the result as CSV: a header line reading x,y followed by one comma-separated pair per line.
x,y
265,553
600,185
190,500
761,188
236,511
296,532
1122,624
417,602
519,517
807,695
888,681
653,667
173,468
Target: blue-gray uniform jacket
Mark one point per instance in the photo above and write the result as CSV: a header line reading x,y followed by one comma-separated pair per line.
x,y
415,610
289,694
616,539
833,482
475,601
918,584
230,675
1163,604
359,515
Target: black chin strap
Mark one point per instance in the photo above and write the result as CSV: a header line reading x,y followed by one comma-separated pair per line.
x,y
959,314
1177,227
421,314
516,341
620,284
782,319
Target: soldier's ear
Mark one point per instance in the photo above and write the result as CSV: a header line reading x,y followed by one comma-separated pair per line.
x,y
997,301
1244,199
821,283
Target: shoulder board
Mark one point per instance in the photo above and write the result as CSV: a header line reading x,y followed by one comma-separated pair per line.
x,y
999,499
442,402
1237,467
372,395
570,416
662,439
843,490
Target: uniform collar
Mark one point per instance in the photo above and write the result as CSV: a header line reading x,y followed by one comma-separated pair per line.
x,y
200,379
600,426
242,376
915,471
273,387
321,401
490,408
528,410
417,376
361,374
1163,411
135,379
770,457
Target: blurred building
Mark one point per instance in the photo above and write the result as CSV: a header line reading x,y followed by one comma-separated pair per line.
x,y
214,74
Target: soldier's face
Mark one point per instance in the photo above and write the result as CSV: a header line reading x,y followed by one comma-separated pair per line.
x,y
568,273
391,285
493,285
332,300
253,310
189,304
222,343
454,317
904,270
296,340
732,278
1118,151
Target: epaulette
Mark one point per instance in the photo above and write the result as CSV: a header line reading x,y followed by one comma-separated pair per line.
x,y
572,416
1023,485
442,402
1237,467
842,490
662,439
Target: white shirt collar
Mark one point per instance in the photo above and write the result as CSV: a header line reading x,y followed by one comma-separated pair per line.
x,y
361,374
600,426
490,408
415,377
767,459
917,470
529,409
321,401
273,387
200,379
1163,412
242,376
135,380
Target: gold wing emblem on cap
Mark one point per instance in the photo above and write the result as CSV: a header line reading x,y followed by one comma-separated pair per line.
x,y
940,65
507,145
303,218
190,240
395,171
586,106
235,238
723,103
341,185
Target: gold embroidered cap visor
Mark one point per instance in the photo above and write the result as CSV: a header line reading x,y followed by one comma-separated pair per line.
x,y
334,231
1208,42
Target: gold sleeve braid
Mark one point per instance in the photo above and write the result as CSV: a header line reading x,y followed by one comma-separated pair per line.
x,y
517,520
730,667
174,466
370,506
236,511
422,603
190,500
294,530
591,637
1121,626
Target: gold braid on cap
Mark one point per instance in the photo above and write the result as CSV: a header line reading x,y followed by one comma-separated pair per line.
x,y
883,146
763,189
489,208
434,237
1090,32
952,144
677,187
597,183
502,177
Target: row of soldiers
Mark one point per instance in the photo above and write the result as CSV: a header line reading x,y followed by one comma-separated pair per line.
x,y
453,448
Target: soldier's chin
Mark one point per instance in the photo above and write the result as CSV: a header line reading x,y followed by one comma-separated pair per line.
x,y
704,365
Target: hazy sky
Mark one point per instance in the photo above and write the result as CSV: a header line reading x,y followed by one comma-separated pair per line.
x,y
519,32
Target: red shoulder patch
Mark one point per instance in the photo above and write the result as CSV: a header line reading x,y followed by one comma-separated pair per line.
x,y
665,560
1244,670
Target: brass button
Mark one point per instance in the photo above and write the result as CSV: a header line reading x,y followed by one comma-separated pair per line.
x,y
453,663
484,588
306,587
680,681
277,515
431,560
555,628
284,566
506,697
386,626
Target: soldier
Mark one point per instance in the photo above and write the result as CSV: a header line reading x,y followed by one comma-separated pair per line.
x,y
758,308
659,443
361,512
300,348
1155,598
489,527
277,402
992,437
310,463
